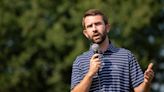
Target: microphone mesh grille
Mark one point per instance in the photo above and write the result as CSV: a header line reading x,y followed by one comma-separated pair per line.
x,y
95,47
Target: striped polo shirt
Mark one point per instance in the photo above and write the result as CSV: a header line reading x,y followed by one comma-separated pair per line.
x,y
120,71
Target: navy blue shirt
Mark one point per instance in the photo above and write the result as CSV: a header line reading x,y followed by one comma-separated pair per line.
x,y
120,71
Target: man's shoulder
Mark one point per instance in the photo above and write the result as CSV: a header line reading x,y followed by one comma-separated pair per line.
x,y
121,49
116,49
125,49
128,52
84,56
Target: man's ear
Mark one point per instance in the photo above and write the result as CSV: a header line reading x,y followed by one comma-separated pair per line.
x,y
107,27
85,33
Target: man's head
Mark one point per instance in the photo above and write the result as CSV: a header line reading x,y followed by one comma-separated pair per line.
x,y
95,26
94,12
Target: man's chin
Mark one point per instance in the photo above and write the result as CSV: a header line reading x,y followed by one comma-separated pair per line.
x,y
97,41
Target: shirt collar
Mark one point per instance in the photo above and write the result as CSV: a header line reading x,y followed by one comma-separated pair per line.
x,y
111,48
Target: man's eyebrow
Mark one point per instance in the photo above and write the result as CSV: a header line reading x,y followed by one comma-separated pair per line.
x,y
99,22
89,25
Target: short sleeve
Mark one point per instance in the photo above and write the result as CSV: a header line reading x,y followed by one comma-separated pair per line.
x,y
76,74
136,74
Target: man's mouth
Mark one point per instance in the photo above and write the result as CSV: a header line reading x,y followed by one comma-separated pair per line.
x,y
97,36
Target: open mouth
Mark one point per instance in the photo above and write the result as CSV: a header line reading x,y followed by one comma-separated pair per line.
x,y
97,36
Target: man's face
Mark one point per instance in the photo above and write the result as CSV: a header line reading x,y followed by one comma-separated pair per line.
x,y
95,29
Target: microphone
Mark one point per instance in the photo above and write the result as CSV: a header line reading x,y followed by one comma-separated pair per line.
x,y
95,48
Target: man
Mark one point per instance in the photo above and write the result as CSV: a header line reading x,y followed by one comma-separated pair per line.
x,y
112,70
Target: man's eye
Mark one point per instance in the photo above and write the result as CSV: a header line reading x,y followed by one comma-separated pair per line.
x,y
89,26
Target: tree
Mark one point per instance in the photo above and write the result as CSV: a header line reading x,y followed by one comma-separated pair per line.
x,y
39,39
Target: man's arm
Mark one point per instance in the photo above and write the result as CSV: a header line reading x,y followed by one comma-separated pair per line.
x,y
148,76
85,84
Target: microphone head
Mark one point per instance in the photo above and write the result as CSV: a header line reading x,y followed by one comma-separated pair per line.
x,y
95,48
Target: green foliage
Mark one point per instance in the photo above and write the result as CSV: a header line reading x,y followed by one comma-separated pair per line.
x,y
40,39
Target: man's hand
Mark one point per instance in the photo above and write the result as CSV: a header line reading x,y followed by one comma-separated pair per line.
x,y
149,74
95,64
148,77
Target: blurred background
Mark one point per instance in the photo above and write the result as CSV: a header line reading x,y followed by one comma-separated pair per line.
x,y
40,39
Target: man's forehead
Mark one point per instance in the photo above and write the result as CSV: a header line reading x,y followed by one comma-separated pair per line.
x,y
93,19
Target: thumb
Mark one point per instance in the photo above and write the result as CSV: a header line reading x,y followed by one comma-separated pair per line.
x,y
150,66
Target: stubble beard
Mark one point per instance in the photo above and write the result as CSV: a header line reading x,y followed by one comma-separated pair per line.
x,y
100,39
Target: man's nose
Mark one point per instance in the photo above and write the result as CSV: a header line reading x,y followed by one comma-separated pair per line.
x,y
94,28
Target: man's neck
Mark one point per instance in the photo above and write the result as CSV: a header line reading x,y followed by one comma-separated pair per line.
x,y
104,45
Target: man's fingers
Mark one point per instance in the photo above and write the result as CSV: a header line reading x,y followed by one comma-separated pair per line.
x,y
150,66
96,56
149,73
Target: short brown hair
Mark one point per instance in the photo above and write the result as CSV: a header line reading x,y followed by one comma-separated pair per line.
x,y
93,12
